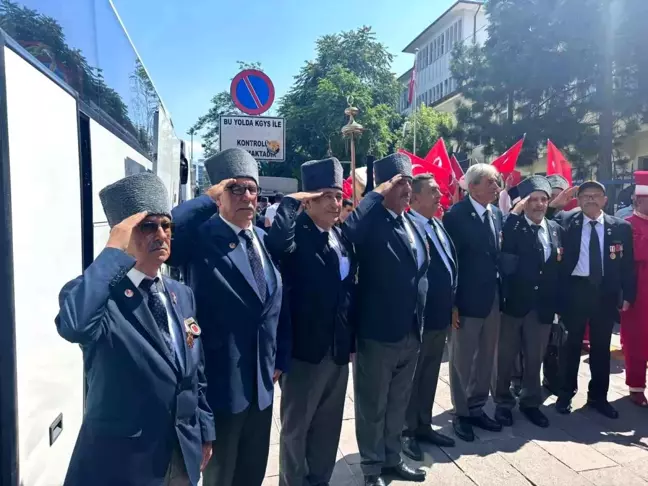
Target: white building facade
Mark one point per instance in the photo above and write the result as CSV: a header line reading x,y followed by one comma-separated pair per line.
x,y
465,21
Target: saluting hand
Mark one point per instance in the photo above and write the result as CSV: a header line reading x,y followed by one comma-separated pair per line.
x,y
519,208
303,197
563,198
121,234
216,190
387,186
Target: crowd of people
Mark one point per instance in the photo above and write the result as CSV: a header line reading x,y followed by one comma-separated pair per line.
x,y
181,378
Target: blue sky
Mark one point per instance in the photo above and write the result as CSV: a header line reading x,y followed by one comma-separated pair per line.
x,y
190,48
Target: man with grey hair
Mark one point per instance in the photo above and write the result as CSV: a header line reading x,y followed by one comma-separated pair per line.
x,y
246,329
475,225
442,282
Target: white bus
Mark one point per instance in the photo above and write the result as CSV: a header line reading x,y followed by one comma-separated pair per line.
x,y
68,127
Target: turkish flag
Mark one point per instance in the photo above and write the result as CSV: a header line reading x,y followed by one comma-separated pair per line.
x,y
422,166
457,171
347,188
506,162
438,155
557,163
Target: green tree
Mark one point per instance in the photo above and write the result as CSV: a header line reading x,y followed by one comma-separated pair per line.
x,y
352,66
144,104
542,73
208,125
44,38
431,125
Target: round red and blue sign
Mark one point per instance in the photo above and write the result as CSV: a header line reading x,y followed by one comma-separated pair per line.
x,y
252,92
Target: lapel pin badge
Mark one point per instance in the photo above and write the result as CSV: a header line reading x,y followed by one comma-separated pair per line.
x,y
474,215
192,329
128,293
232,245
174,299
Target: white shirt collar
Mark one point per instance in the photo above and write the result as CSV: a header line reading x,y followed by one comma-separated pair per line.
x,y
137,277
600,219
543,223
235,228
478,207
393,214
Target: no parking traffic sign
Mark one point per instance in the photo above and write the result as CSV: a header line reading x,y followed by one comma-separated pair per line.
x,y
252,92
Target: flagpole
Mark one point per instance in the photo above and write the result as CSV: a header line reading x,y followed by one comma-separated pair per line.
x,y
414,100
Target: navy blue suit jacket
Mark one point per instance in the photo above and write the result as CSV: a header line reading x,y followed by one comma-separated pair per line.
x,y
441,287
477,260
245,339
391,287
140,402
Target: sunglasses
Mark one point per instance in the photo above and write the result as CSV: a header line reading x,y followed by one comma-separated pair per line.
x,y
239,189
151,227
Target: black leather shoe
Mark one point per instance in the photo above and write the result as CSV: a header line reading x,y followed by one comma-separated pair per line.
x,y
405,472
504,417
483,421
374,481
431,436
411,448
604,408
463,429
536,417
563,406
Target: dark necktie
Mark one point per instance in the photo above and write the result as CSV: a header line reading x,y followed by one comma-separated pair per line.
x,y
399,224
538,244
596,264
255,264
487,224
157,308
330,255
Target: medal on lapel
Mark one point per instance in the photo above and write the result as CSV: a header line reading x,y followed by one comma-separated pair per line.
x,y
619,249
174,299
613,252
192,330
559,252
128,293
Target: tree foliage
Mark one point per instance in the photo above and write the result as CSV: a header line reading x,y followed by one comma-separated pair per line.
x,y
352,66
221,104
431,125
541,73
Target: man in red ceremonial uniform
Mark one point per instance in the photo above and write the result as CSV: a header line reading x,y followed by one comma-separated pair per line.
x,y
634,322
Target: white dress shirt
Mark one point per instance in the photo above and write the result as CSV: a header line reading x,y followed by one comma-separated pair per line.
x,y
414,241
583,266
174,326
268,269
480,212
334,243
440,241
543,236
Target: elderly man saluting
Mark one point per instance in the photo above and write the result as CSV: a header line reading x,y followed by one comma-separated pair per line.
x,y
239,294
147,420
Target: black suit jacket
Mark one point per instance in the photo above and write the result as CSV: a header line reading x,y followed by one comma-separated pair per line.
x,y
442,286
391,286
618,273
477,260
530,282
320,302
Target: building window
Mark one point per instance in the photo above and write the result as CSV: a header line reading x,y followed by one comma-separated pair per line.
x,y
446,85
460,29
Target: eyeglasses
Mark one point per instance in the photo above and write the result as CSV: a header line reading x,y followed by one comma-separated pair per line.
x,y
151,227
239,189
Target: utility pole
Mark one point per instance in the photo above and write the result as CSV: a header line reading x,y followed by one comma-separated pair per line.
x,y
605,93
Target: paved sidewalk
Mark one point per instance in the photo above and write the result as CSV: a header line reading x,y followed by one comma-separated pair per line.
x,y
583,448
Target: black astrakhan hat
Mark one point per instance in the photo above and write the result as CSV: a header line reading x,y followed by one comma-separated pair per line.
x,y
231,164
533,184
321,174
133,194
390,166
557,181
